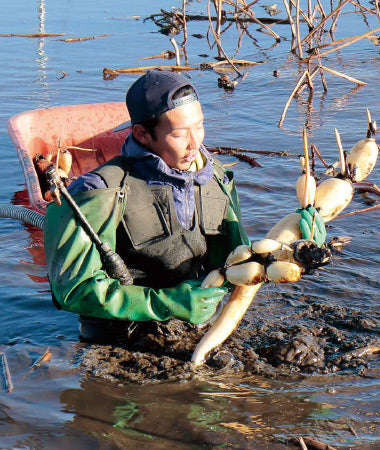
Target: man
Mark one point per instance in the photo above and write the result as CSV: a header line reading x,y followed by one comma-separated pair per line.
x,y
167,208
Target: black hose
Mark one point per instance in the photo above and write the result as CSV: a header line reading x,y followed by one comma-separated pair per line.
x,y
24,214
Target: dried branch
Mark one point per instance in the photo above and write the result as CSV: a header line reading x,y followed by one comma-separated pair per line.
x,y
353,40
217,40
316,151
81,39
292,26
254,19
259,152
34,35
297,86
109,73
323,79
307,19
177,57
342,75
184,24
322,23
358,211
6,373
249,159
300,53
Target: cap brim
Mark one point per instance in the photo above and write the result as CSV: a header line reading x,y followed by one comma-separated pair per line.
x,y
123,126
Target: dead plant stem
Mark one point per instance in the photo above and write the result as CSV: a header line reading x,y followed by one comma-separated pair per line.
x,y
252,16
300,53
217,40
297,86
342,75
322,23
292,26
359,211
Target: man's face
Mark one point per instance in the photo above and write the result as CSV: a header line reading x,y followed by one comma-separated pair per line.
x,y
178,135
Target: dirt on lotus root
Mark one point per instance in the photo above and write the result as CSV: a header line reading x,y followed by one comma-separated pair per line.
x,y
313,338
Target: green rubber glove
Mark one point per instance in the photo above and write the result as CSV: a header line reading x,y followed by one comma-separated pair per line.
x,y
306,224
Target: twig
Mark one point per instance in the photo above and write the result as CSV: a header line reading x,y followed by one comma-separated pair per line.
x,y
298,30
316,151
177,58
317,445
321,9
358,5
243,150
184,25
34,35
168,54
323,79
329,44
109,73
354,39
334,22
6,373
360,352
236,62
297,86
360,211
352,430
81,39
254,19
371,190
217,40
309,83
302,443
342,75
322,23
307,19
218,10
44,357
251,161
292,26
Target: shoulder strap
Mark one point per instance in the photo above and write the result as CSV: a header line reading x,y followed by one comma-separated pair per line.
x,y
218,169
114,171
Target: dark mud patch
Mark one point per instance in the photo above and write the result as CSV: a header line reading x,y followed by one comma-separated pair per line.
x,y
311,338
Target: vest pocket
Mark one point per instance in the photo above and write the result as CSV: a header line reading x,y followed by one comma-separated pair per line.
x,y
214,205
145,225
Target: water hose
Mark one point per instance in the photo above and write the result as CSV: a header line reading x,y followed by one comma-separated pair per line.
x,y
26,215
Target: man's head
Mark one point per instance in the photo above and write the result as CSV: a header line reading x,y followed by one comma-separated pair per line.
x,y
167,117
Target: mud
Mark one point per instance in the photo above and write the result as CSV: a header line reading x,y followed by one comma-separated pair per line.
x,y
309,338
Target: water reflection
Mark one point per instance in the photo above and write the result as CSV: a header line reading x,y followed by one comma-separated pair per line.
x,y
42,59
195,415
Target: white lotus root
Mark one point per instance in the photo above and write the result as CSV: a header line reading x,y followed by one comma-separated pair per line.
x,y
265,246
332,196
283,272
287,230
214,279
362,158
240,254
246,274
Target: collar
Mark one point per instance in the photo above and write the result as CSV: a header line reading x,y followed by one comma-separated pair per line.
x,y
154,170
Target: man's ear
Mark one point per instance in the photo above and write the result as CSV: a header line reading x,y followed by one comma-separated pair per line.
x,y
141,134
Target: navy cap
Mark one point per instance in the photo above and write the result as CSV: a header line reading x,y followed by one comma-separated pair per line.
x,y
152,95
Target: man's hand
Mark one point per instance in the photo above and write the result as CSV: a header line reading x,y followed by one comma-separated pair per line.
x,y
204,301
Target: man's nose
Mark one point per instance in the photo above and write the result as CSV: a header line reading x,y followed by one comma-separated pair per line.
x,y
193,140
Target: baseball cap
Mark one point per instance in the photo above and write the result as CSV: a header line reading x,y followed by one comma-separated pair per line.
x,y
152,94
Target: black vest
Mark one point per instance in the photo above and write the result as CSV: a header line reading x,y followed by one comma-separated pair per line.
x,y
158,251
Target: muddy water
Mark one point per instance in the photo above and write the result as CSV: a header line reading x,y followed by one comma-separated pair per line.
x,y
291,368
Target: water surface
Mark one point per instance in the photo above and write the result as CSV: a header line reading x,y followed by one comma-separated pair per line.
x,y
57,406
